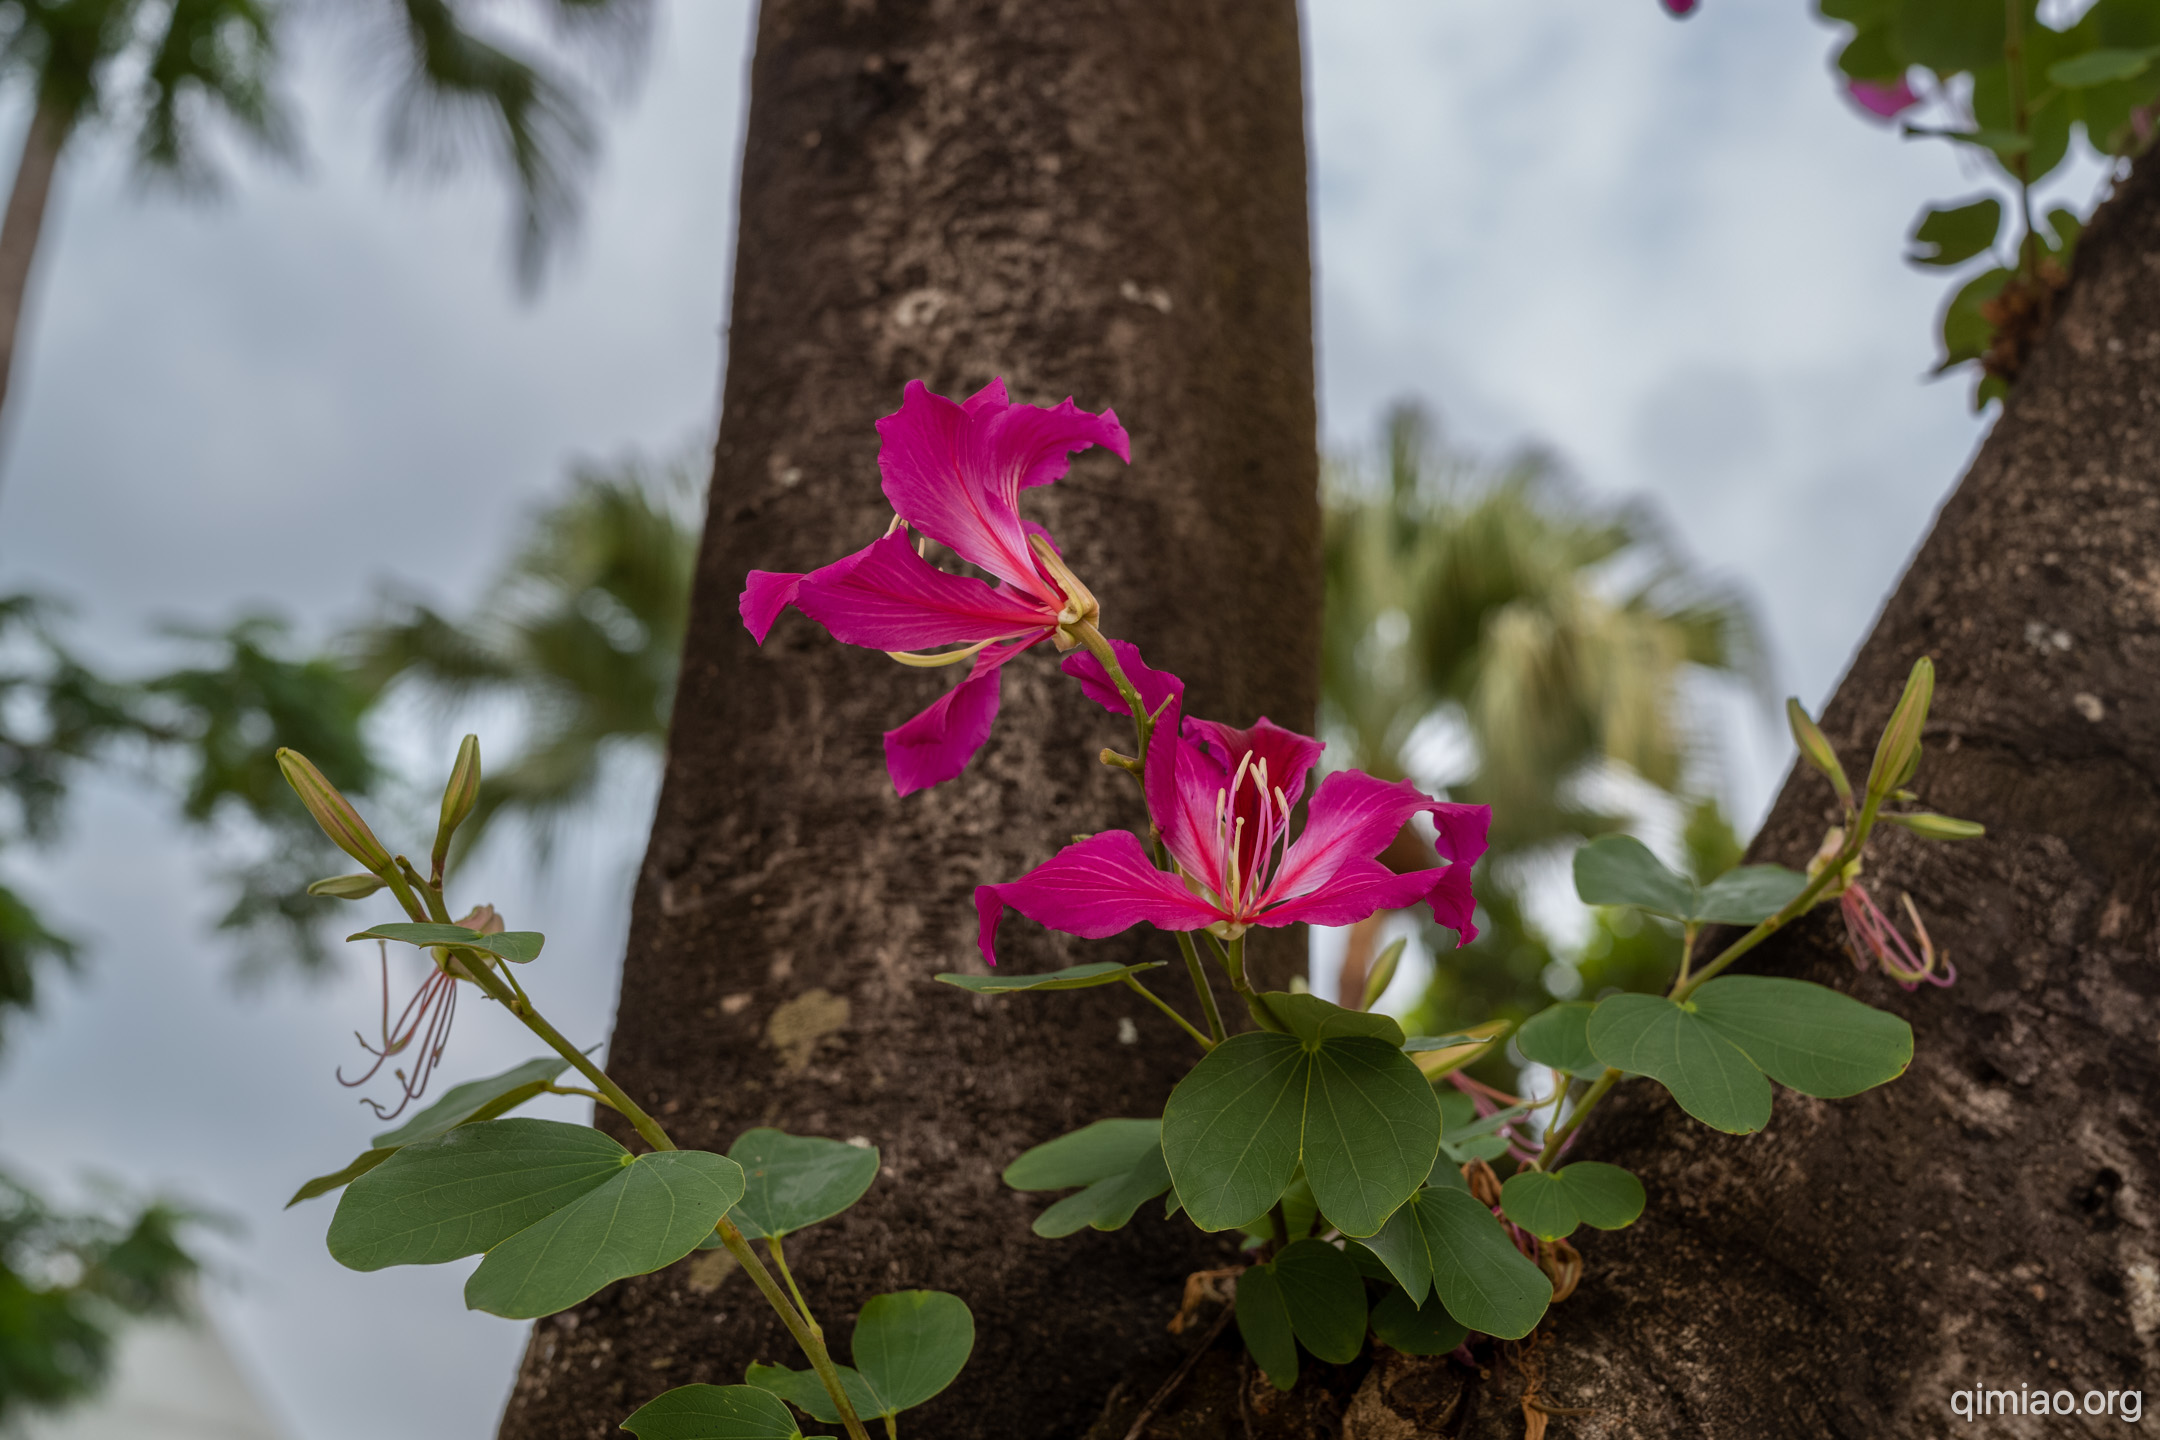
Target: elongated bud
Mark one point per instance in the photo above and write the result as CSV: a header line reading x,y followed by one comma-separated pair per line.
x,y
347,887
1562,1264
1382,973
1930,826
1483,1183
1897,756
333,812
457,800
1815,749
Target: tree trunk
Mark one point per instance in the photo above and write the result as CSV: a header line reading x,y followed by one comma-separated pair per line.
x,y
1104,198
1989,1220
43,139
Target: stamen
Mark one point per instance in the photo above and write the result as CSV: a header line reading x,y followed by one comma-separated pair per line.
x,y
944,657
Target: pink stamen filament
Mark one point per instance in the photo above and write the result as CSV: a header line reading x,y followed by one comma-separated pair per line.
x,y
428,1017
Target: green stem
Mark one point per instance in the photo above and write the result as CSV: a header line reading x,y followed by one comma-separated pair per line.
x,y
1159,1003
534,1021
1201,986
779,1260
1143,723
1687,949
593,1095
813,1345
1557,1137
1236,959
1799,905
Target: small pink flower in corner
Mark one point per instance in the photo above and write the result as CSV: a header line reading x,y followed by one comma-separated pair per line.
x,y
953,472
1222,800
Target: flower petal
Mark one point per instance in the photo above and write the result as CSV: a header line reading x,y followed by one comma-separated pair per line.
x,y
1154,686
955,472
1289,755
936,745
887,597
765,594
1353,816
1364,888
1182,781
1096,887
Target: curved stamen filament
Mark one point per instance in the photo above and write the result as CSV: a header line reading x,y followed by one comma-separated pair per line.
x,y
944,657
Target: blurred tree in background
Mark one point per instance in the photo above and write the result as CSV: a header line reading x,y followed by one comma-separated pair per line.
x,y
1492,630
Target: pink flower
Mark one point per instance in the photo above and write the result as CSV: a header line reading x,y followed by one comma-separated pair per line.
x,y
1877,98
954,473
1679,9
1222,800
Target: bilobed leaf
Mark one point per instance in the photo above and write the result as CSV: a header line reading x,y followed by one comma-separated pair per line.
x,y
1556,1036
1808,1037
1710,1076
1314,1020
1551,1206
1620,870
1748,895
1094,1152
1072,977
1872,54
1950,35
324,1184
1234,1127
516,945
2100,67
803,1390
1443,1242
1953,236
461,1103
1966,332
468,1191
791,1182
1428,1329
713,1412
1110,1202
1539,1203
650,1213
1372,1129
1326,1299
1263,1319
909,1345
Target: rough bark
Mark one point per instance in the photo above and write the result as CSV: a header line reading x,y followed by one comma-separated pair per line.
x,y
24,221
1104,198
1990,1218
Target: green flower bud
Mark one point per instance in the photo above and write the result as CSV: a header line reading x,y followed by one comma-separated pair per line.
x,y
1938,827
333,812
1897,755
457,800
347,887
1815,748
1382,973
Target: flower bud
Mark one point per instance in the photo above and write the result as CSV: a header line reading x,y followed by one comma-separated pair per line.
x,y
1897,755
1929,826
483,919
333,812
457,800
1382,973
1483,1183
347,887
1815,749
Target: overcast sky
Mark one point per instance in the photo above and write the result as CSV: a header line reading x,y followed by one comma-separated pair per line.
x,y
1669,252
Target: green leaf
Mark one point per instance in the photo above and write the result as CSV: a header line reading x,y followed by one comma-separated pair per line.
x,y
1872,54
1110,1202
1481,1139
1953,236
1748,895
650,1213
1263,1319
1326,1298
1620,870
803,1390
1709,1075
713,1412
1072,977
1314,1020
468,1191
1414,1329
324,1184
1966,332
1437,1056
1351,1107
459,1104
791,1182
1551,1206
1556,1036
1948,36
515,945
909,1345
1807,1037
1094,1152
1443,1242
2100,67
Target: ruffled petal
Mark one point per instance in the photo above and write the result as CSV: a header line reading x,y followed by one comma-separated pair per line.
x,y
936,745
1094,888
1364,888
1182,782
1353,816
1154,686
887,597
955,472
765,594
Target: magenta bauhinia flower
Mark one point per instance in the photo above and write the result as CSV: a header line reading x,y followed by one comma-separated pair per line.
x,y
954,473
1222,799
1880,98
1152,686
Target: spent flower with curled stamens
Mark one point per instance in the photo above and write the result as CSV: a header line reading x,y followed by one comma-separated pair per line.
x,y
1873,938
423,1026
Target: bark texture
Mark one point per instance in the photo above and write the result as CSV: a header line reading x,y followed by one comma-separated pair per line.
x,y
1104,198
1989,1220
